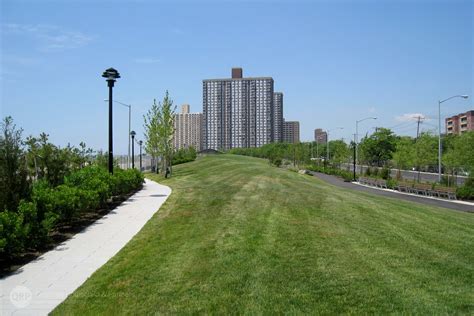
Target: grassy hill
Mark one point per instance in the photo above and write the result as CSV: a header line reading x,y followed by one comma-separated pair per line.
x,y
240,236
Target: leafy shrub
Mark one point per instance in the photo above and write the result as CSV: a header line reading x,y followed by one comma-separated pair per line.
x,y
466,192
375,172
11,234
368,172
385,173
391,183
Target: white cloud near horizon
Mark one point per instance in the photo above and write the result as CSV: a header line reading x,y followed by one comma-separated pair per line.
x,y
410,117
49,37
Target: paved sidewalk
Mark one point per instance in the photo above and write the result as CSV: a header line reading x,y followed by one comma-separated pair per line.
x,y
407,197
39,286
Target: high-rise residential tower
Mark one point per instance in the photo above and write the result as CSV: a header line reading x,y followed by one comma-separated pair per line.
x,y
320,136
188,127
278,117
237,112
291,132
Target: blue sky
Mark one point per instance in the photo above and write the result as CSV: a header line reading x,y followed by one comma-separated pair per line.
x,y
334,61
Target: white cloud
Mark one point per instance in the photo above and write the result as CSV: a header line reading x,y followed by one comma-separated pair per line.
x,y
146,60
410,117
49,37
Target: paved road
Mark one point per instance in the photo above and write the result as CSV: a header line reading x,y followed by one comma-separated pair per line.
x,y
41,285
412,198
409,175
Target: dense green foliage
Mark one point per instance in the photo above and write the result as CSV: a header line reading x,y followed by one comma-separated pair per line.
x,y
184,155
381,149
42,186
28,226
238,236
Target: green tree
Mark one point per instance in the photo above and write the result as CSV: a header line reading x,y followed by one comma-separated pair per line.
x,y
339,152
151,125
13,171
159,131
378,148
426,151
166,132
404,154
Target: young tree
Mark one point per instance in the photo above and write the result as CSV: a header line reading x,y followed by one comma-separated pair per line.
x,y
151,125
404,154
159,130
166,132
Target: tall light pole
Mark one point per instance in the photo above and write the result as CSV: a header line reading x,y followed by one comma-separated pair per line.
x,y
129,126
132,133
111,74
140,142
356,137
439,130
327,141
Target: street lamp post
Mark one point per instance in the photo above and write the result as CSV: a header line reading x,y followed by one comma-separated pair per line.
x,y
439,130
140,143
327,141
129,126
132,133
357,137
111,74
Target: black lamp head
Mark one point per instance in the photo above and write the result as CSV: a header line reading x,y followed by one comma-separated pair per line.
x,y
140,142
132,133
111,74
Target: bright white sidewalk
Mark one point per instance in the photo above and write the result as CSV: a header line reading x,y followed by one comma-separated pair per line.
x,y
41,285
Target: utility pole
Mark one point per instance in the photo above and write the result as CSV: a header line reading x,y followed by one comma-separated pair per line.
x,y
418,127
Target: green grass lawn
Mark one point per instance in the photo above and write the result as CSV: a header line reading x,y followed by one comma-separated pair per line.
x,y
240,236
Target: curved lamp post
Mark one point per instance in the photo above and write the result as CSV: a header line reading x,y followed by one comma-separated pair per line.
x,y
439,130
356,140
111,75
132,133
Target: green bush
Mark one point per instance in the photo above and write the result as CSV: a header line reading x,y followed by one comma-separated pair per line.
x,y
375,172
368,172
391,183
12,234
385,173
466,191
85,189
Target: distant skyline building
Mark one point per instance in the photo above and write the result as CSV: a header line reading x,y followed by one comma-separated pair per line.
x,y
460,123
188,129
237,112
278,117
320,136
291,132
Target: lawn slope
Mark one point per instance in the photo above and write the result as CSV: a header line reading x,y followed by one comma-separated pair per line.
x,y
240,236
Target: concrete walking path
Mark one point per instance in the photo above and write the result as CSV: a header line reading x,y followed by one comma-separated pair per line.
x,y
449,204
41,285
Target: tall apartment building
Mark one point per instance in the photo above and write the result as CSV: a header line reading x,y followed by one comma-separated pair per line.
x,y
237,112
460,123
291,132
188,129
320,136
278,117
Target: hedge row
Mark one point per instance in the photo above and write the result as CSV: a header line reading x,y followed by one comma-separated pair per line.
x,y
28,227
346,175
